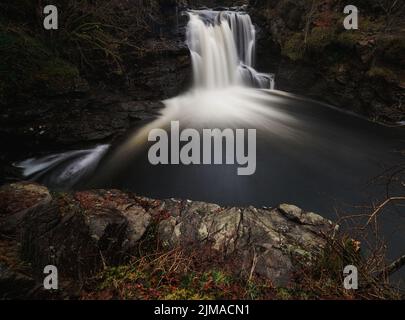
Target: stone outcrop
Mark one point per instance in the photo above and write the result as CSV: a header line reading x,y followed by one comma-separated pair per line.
x,y
16,201
311,54
81,232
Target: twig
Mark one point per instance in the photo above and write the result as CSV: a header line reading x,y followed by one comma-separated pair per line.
x,y
393,267
382,205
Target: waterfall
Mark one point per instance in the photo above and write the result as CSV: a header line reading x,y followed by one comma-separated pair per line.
x,y
63,170
222,47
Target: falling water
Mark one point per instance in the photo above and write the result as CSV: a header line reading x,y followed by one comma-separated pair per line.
x,y
222,47
66,168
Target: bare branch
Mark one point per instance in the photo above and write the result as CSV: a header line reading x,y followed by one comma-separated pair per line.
x,y
393,267
382,205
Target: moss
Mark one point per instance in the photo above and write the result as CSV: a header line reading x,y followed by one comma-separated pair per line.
x,y
284,294
382,72
28,65
293,48
156,277
371,25
21,56
258,290
348,39
57,75
320,37
185,294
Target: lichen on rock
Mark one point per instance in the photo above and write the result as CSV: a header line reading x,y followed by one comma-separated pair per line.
x,y
83,231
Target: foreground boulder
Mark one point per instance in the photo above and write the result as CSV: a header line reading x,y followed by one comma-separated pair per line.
x,y
83,231
16,201
80,232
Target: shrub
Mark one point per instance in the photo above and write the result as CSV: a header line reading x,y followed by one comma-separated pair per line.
x,y
293,48
320,37
382,72
348,39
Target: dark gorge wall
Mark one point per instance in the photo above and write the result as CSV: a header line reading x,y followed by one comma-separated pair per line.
x,y
304,43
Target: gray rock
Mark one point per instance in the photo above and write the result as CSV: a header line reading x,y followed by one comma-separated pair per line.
x,y
16,201
268,238
81,232
13,284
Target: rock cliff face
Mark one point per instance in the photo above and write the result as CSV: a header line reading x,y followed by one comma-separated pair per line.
x,y
304,43
82,231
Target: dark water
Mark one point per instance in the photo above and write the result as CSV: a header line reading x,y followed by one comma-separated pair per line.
x,y
320,159
331,163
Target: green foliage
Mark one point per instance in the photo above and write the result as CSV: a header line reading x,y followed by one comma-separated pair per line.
x,y
28,64
348,39
185,294
173,275
320,37
294,48
176,275
382,72
371,25
91,39
284,294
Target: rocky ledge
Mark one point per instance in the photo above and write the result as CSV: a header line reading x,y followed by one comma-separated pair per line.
x,y
82,232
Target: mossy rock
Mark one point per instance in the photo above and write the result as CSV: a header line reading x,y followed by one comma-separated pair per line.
x,y
348,39
318,39
58,76
382,73
293,48
28,65
371,25
321,37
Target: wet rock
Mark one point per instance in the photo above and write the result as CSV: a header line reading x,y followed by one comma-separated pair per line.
x,y
16,201
14,285
296,214
15,279
164,71
270,237
83,231
99,118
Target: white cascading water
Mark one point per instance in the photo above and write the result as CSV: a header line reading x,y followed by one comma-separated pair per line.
x,y
225,90
222,47
67,167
